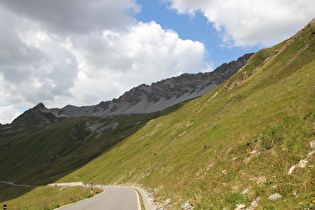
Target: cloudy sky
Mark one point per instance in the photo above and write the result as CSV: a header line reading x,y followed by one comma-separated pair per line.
x,y
81,52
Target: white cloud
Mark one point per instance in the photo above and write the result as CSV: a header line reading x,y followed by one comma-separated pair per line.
x,y
33,66
8,114
251,22
72,53
74,16
112,63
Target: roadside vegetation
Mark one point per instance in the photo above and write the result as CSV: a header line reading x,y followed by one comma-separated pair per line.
x,y
44,198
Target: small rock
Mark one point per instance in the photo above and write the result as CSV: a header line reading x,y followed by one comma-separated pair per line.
x,y
310,154
187,206
247,160
302,163
274,197
261,180
312,144
254,204
167,202
160,207
291,169
240,206
245,191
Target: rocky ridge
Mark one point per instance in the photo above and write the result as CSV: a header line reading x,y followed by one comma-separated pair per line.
x,y
160,95
38,115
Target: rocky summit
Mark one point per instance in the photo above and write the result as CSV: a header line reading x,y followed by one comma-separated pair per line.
x,y
160,95
38,115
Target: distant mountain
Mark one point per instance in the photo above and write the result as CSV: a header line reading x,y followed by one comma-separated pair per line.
x,y
162,94
38,115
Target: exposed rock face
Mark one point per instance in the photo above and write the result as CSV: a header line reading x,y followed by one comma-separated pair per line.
x,y
162,94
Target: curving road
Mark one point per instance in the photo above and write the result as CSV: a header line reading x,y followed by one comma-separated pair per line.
x,y
113,198
19,185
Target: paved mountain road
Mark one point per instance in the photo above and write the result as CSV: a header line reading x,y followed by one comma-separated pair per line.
x,y
113,198
19,185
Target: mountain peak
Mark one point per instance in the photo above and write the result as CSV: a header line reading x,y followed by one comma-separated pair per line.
x,y
40,105
38,115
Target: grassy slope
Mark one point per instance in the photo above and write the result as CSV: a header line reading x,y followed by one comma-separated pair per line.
x,y
26,155
246,134
26,152
41,198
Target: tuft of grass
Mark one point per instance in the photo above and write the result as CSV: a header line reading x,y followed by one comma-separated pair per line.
x,y
233,199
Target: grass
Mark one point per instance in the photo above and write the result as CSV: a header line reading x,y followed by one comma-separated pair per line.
x,y
41,156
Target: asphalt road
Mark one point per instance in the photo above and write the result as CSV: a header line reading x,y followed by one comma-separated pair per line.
x,y
113,198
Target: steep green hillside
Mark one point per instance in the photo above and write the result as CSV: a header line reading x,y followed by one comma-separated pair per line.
x,y
235,145
40,148
44,152
43,197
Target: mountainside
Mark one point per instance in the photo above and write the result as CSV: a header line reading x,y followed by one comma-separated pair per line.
x,y
249,141
40,147
162,94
